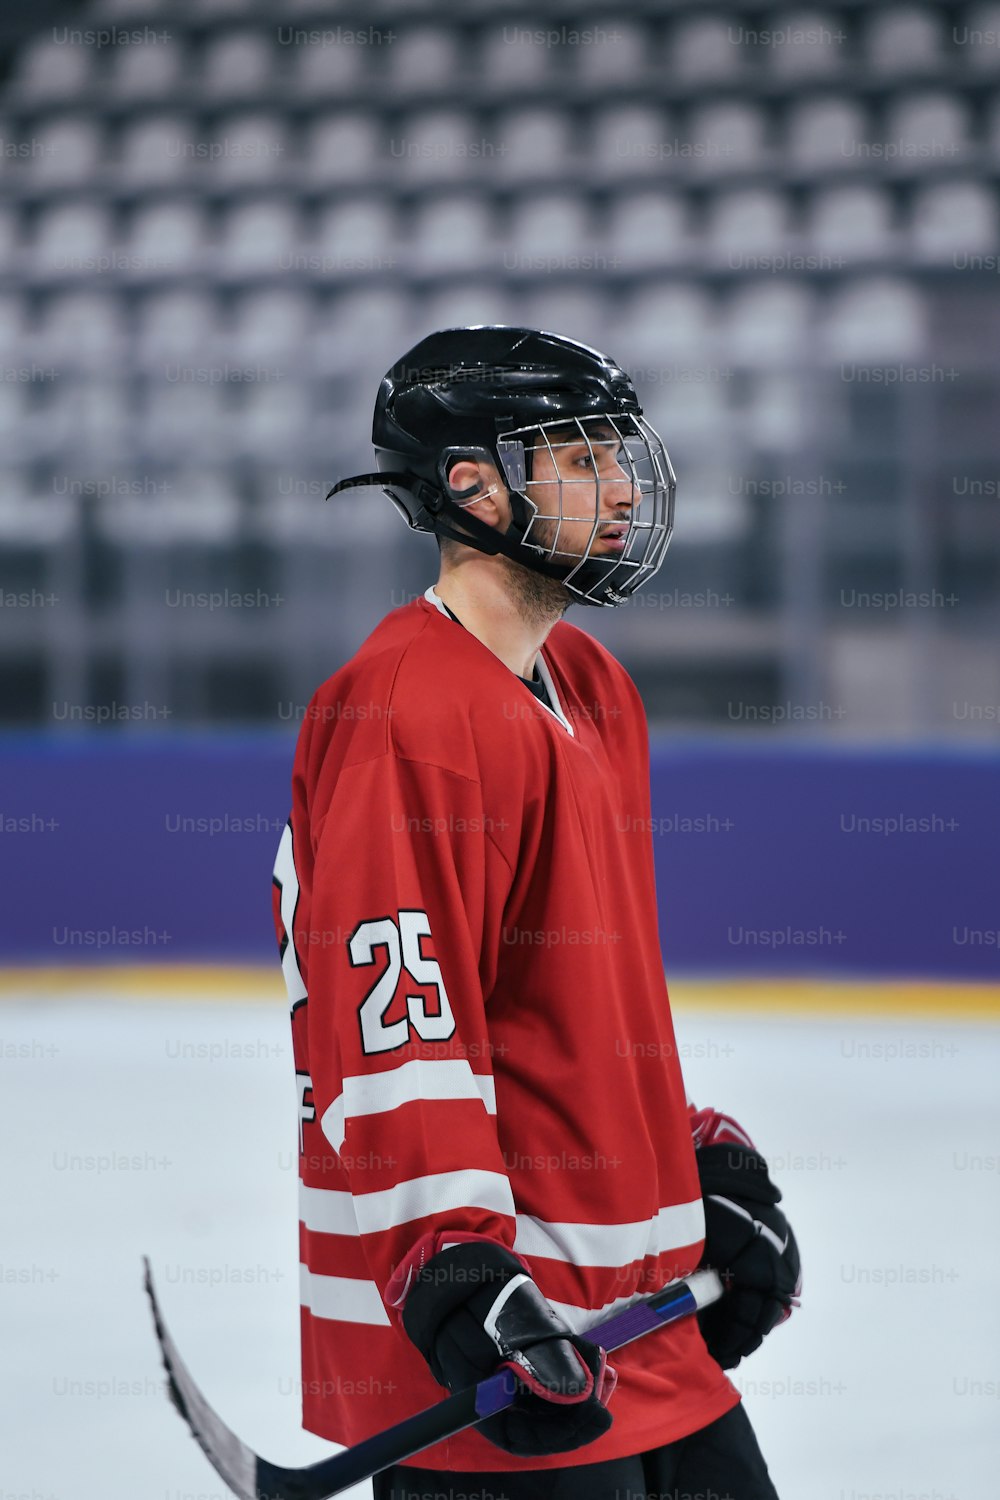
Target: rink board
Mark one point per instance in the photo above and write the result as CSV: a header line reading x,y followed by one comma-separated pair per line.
x,y
771,858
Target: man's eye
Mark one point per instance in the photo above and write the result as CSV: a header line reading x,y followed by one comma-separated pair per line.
x,y
607,452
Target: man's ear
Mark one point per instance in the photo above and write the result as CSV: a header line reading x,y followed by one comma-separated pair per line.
x,y
476,486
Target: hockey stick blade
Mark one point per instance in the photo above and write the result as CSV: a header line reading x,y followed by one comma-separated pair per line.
x,y
254,1478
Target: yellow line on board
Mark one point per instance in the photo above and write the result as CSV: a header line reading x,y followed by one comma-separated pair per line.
x,y
820,998
928,999
197,982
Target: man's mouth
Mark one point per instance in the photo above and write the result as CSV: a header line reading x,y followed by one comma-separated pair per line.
x,y
614,535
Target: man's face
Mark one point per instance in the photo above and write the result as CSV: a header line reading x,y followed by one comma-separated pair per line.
x,y
582,485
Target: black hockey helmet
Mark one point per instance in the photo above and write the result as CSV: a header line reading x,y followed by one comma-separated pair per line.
x,y
500,395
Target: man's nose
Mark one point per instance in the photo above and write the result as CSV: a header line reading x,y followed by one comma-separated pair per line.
x,y
618,485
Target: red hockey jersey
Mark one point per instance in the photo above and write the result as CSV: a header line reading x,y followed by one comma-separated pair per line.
x,y
465,904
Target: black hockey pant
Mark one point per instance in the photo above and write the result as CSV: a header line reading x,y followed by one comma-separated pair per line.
x,y
721,1462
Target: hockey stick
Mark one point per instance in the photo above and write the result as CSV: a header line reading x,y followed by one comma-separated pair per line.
x,y
254,1478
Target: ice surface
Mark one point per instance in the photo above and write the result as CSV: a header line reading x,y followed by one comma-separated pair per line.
x,y
170,1129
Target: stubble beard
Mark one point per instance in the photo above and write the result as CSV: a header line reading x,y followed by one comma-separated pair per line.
x,y
540,600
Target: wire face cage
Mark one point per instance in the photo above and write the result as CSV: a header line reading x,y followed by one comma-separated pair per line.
x,y
599,500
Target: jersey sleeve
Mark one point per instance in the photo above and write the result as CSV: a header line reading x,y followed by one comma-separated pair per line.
x,y
407,905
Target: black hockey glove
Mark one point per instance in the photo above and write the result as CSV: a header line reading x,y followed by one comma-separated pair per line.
x,y
471,1309
750,1243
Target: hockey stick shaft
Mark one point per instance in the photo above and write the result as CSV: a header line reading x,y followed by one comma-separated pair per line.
x,y
255,1478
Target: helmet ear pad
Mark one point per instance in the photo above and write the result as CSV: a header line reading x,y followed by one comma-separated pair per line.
x,y
512,465
451,456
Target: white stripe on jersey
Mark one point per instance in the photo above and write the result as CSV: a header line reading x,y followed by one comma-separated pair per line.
x,y
612,1244
285,875
342,1297
353,1301
437,1193
327,1211
378,1093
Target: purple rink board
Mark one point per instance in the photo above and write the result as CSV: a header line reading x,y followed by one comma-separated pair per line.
x,y
770,858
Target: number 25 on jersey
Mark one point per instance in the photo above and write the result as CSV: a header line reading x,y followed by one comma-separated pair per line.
x,y
396,942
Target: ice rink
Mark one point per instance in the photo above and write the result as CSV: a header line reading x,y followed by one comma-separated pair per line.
x,y
138,1125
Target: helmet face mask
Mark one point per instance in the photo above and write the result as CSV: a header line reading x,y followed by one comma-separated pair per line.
x,y
599,503
590,485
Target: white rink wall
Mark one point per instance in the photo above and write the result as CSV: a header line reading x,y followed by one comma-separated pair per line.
x,y
148,1126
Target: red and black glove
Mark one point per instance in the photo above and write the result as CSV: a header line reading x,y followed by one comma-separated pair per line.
x,y
748,1241
471,1309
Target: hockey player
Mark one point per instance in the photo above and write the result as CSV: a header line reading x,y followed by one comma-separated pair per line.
x,y
496,1147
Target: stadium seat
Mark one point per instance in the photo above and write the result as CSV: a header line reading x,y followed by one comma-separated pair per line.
x,y
271,326
630,140
434,145
580,312
903,39
175,326
932,123
66,151
511,57
270,419
703,50
144,10
746,222
19,427
82,330
158,150
70,239
814,44
356,234
619,54
684,408
167,238
992,133
452,232
648,228
237,64
767,323
421,59
953,218
776,412
533,142
259,237
215,9
715,512
47,68
363,329
826,132
662,324
91,418
851,224
726,136
200,507
31,515
877,318
14,324
547,227
459,304
977,37
343,147
247,149
147,73
323,68
182,416
10,242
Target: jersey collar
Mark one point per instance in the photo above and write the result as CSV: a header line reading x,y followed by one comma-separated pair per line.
x,y
554,706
